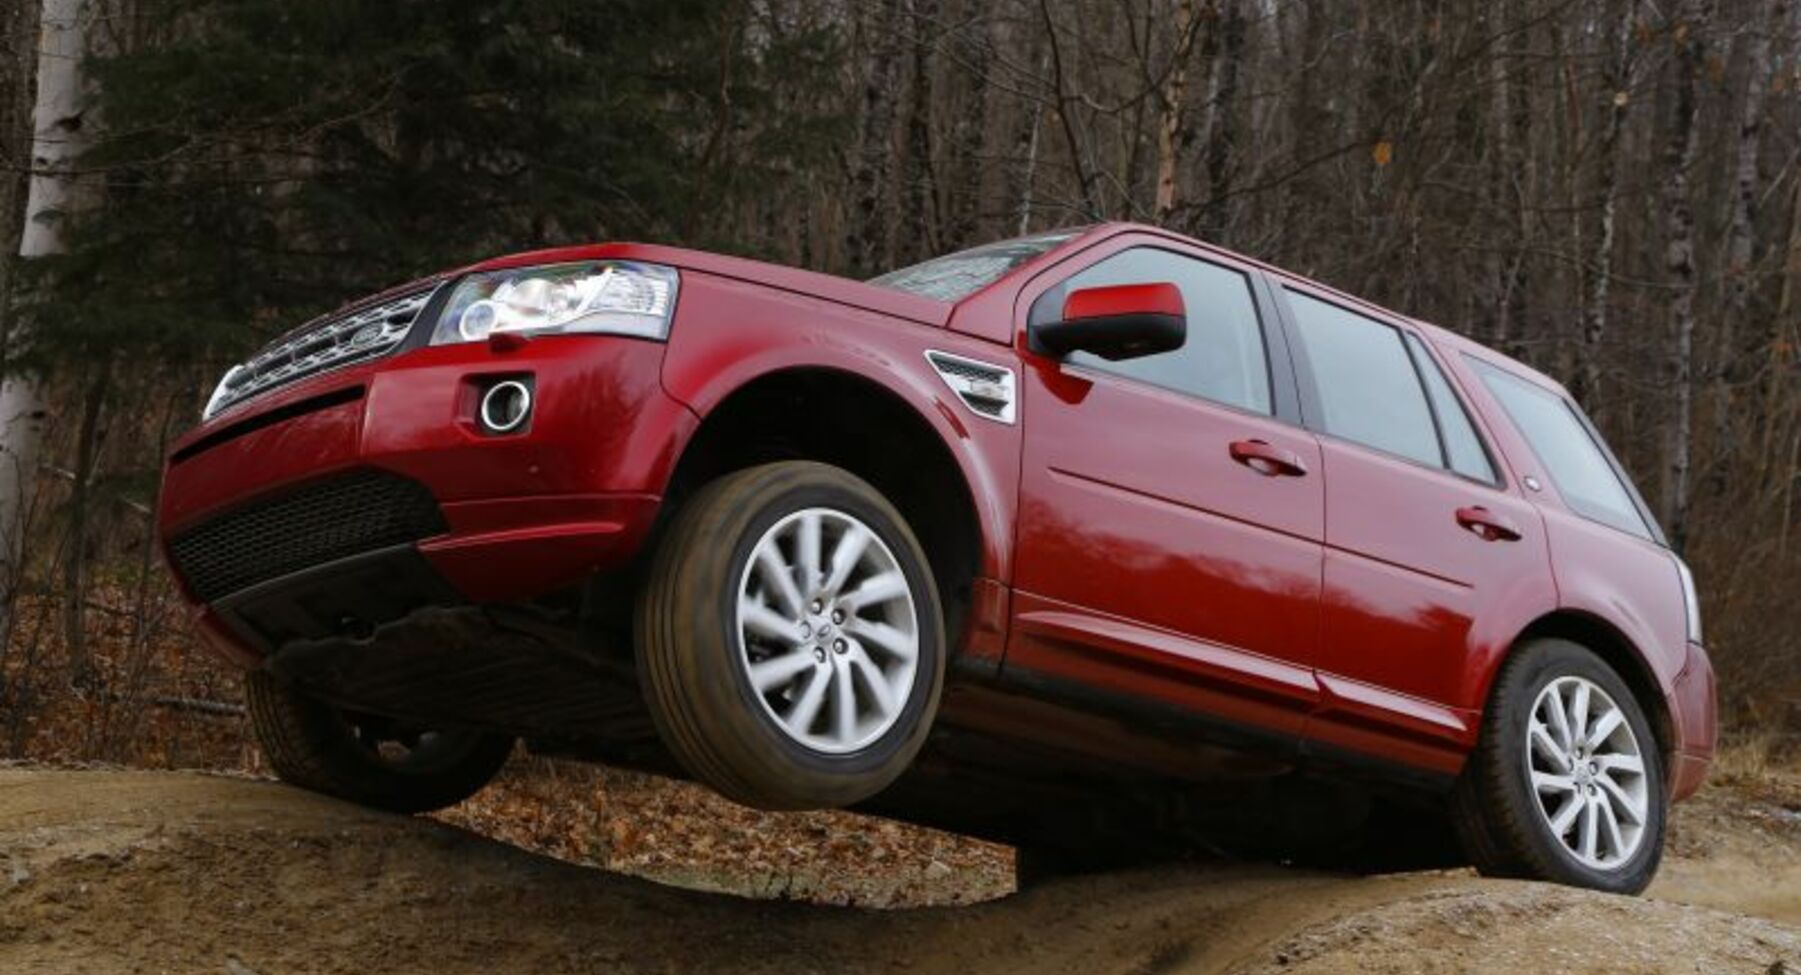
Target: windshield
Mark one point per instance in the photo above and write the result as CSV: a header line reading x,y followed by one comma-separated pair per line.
x,y
957,276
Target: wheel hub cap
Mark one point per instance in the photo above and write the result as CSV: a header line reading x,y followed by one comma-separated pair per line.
x,y
828,630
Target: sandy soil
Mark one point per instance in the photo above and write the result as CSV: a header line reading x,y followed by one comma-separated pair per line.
x,y
115,872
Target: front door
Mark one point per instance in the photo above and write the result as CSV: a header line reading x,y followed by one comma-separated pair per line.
x,y
1170,525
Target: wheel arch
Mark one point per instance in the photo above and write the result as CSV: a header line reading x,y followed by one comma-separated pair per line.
x,y
1616,649
823,413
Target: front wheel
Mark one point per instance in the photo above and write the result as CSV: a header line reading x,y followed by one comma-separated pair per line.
x,y
383,763
790,638
1566,782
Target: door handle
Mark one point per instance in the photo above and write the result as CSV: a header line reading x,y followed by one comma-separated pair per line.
x,y
1487,525
1268,460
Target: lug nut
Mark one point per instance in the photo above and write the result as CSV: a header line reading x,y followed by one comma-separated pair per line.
x,y
819,654
837,615
806,629
840,646
818,606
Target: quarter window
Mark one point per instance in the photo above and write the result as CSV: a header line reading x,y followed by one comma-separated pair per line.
x,y
1585,477
1463,449
1222,359
1368,390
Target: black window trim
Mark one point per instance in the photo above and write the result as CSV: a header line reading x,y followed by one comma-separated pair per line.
x,y
1420,342
1314,412
1655,531
1281,372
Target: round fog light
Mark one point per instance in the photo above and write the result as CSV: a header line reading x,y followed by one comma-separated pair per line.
x,y
505,406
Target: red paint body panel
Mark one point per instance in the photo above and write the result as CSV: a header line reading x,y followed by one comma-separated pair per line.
x,y
1124,299
1135,542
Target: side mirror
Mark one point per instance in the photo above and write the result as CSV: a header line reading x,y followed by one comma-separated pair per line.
x,y
1123,321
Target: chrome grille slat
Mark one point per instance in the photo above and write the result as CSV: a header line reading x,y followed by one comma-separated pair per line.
x,y
331,343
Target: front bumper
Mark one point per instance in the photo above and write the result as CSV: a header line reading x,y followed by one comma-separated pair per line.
x,y
520,515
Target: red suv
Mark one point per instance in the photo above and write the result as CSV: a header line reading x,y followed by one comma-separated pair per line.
x,y
1070,540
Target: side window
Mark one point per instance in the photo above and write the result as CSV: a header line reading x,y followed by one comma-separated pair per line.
x,y
1462,446
1368,389
1223,359
1585,477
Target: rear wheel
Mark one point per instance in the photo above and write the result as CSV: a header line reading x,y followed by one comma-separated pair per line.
x,y
1566,783
790,639
373,761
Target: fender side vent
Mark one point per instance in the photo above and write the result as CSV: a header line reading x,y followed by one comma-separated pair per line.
x,y
988,390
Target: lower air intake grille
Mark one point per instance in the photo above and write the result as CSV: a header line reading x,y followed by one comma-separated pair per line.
x,y
348,515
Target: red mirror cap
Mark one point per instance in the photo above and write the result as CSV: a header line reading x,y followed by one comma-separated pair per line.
x,y
1117,300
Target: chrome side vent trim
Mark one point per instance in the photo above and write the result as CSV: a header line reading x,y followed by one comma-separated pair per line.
x,y
989,391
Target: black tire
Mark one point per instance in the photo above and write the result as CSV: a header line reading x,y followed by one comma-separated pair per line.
x,y
1495,806
702,701
325,749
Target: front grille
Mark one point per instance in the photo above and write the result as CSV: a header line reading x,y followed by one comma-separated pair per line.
x,y
332,342
348,515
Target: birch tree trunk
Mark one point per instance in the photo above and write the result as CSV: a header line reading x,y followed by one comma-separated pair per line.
x,y
1617,86
58,136
1174,130
1687,29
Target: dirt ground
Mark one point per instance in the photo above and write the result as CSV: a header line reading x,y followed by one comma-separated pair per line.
x,y
116,872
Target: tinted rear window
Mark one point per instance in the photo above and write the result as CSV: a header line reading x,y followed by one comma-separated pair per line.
x,y
1575,462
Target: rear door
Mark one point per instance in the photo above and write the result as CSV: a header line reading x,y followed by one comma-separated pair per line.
x,y
1429,553
1156,556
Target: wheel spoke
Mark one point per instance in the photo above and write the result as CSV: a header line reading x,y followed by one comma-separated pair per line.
x,y
1547,748
1610,828
1566,815
844,692
779,579
767,675
1560,720
1617,762
874,679
807,545
1579,714
891,641
765,622
1542,782
877,590
1604,726
1588,825
1622,803
845,556
806,709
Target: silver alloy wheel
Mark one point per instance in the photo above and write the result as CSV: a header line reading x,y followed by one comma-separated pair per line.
x,y
828,631
1587,773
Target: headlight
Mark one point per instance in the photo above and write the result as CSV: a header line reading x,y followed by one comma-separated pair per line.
x,y
611,297
1691,603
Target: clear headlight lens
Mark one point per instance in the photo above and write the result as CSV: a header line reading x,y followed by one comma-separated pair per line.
x,y
611,297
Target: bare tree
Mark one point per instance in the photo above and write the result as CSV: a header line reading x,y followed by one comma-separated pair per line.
x,y
1689,22
1617,88
60,132
866,246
